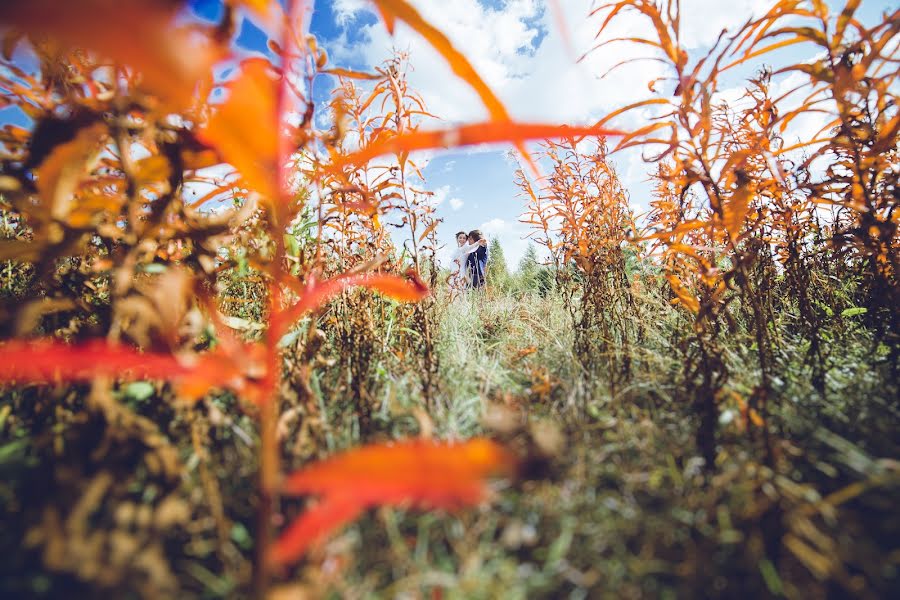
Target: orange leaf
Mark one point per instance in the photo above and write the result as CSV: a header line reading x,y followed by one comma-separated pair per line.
x,y
466,135
90,204
754,53
136,32
219,192
428,469
735,209
260,7
244,128
152,169
411,289
685,297
60,173
194,160
366,207
755,418
400,9
349,73
391,10
421,473
525,352
428,230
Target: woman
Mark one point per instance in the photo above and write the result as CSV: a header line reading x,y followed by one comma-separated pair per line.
x,y
460,276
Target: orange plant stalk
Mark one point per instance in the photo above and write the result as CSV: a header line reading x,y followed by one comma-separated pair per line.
x,y
580,213
722,172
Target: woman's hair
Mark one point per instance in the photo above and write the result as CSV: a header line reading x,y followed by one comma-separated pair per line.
x,y
475,235
459,233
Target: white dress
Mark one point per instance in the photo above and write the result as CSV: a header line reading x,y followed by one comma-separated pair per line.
x,y
461,276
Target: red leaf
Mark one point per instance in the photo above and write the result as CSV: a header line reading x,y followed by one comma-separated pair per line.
x,y
45,361
413,463
420,473
224,367
313,525
318,293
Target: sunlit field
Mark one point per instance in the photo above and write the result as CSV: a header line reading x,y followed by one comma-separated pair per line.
x,y
464,299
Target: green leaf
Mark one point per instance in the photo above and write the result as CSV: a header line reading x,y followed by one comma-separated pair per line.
x,y
292,245
240,536
139,390
243,266
154,268
770,576
13,450
289,338
852,312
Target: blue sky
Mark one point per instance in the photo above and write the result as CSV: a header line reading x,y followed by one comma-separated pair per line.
x,y
517,46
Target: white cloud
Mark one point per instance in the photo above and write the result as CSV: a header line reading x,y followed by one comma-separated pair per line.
x,y
518,49
345,10
703,20
512,237
494,227
440,195
520,52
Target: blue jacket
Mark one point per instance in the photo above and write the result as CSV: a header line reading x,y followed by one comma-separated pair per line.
x,y
476,265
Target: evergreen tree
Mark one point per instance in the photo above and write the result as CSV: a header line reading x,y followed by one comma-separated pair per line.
x,y
528,266
497,272
532,276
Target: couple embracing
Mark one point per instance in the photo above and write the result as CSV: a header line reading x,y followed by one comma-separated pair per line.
x,y
470,258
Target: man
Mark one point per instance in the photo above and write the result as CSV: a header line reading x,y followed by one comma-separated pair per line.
x,y
476,262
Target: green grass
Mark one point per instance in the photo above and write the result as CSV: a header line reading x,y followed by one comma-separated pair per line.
x,y
626,509
622,507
